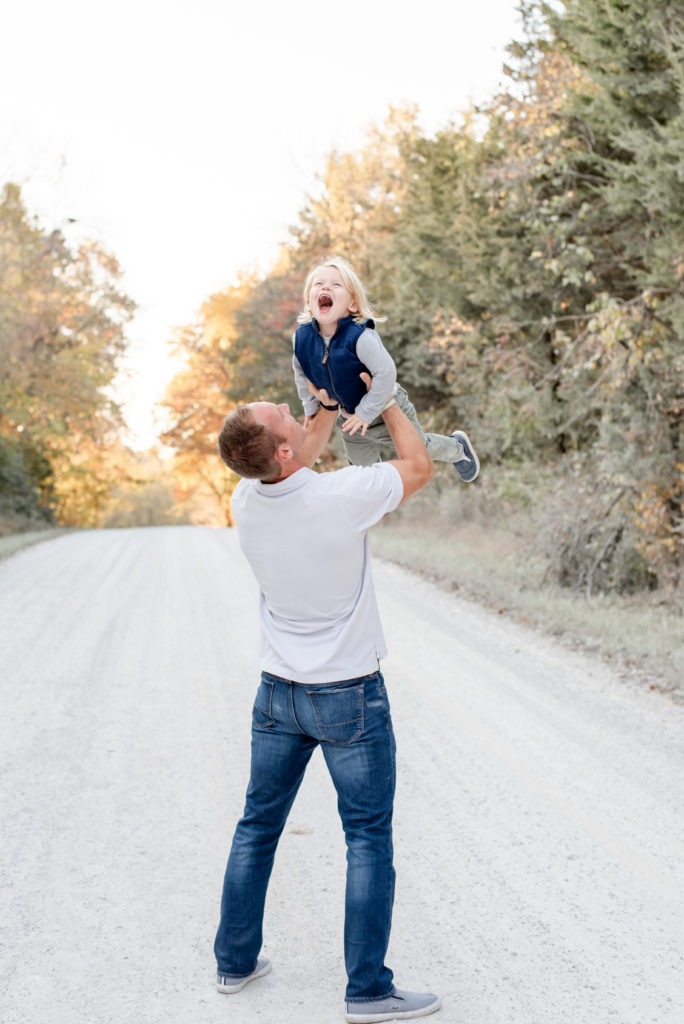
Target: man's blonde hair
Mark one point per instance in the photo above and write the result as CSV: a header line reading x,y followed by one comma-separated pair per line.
x,y
352,283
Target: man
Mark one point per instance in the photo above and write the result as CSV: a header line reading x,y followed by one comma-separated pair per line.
x,y
305,536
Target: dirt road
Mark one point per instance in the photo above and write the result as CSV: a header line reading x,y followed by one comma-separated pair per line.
x,y
539,816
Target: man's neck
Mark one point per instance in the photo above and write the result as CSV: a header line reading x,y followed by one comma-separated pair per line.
x,y
293,466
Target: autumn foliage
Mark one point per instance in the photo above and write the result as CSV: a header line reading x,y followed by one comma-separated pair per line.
x,y
62,332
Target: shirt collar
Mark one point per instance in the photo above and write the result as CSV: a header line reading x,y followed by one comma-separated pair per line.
x,y
294,482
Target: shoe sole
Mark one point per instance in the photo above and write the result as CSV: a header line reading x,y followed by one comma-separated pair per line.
x,y
370,1018
461,436
239,985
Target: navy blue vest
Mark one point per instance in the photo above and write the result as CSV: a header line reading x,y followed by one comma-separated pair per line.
x,y
336,368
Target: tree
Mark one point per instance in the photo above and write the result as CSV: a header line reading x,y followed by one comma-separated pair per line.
x,y
197,401
491,254
553,289
627,109
62,323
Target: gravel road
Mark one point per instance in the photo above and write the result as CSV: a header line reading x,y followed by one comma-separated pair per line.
x,y
539,815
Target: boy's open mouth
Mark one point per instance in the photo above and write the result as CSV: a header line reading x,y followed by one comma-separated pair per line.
x,y
325,302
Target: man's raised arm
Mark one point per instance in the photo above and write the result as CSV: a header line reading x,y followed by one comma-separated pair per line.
x,y
414,464
319,430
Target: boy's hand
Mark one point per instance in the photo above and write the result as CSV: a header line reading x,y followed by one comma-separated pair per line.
x,y
354,423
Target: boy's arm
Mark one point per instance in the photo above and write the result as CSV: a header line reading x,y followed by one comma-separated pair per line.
x,y
309,401
380,364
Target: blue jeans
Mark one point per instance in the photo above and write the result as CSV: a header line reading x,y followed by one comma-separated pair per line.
x,y
351,722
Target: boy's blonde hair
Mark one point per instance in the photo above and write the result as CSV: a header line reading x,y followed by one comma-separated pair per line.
x,y
352,283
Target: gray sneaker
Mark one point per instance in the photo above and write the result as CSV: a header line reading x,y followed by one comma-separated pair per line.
x,y
234,982
467,467
399,1006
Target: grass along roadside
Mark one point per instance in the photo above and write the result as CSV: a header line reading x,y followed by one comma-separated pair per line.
x,y
639,635
14,542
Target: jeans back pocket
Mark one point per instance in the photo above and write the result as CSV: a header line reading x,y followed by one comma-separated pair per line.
x,y
338,712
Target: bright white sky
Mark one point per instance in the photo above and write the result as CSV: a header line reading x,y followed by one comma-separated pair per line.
x,y
185,134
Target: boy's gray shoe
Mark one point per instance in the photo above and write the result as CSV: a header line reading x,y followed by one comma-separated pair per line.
x,y
232,983
468,466
399,1006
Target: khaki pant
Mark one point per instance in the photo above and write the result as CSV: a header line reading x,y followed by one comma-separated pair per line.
x,y
376,444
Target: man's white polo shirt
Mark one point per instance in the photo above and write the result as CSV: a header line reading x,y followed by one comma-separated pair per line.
x,y
306,540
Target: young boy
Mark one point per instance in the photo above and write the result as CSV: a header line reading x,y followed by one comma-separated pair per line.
x,y
335,343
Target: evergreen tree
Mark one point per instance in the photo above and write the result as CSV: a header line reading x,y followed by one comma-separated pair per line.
x,y
627,109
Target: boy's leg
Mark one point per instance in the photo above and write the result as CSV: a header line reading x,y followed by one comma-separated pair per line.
x,y
371,447
377,444
440,447
454,448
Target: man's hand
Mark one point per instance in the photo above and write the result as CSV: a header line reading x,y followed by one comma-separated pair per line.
x,y
321,394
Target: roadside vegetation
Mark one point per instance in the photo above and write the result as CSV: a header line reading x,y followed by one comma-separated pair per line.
x,y
12,543
481,552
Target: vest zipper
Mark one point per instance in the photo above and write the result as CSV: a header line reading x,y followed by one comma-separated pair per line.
x,y
325,363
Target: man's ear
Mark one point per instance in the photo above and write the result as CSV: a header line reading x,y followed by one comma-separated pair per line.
x,y
284,453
